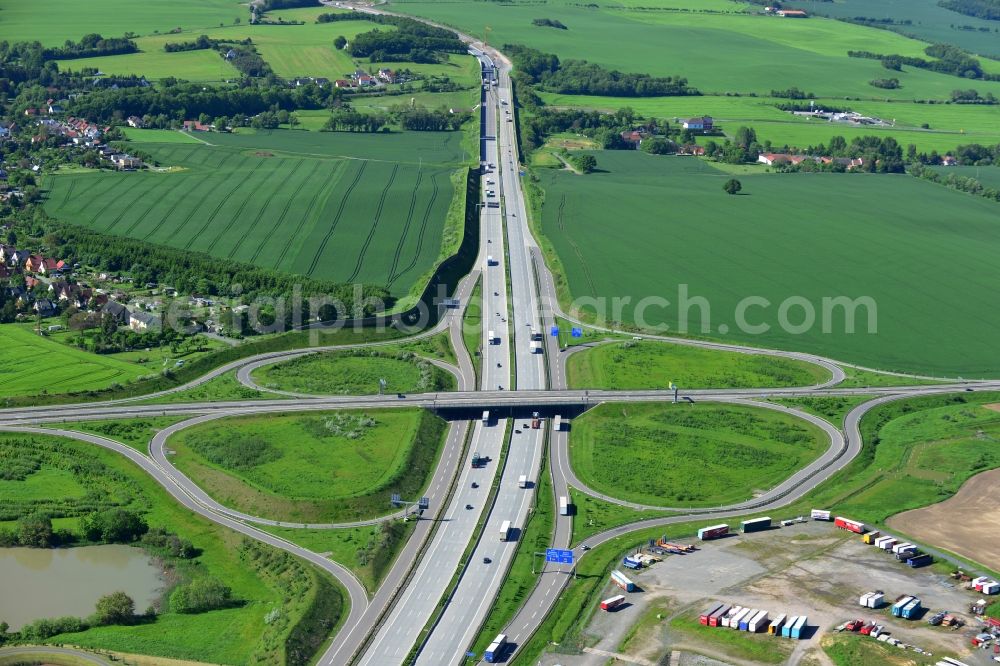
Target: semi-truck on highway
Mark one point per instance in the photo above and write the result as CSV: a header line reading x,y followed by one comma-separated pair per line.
x,y
495,650
486,417
490,261
536,347
493,338
563,506
536,335
505,530
477,460
522,481
557,423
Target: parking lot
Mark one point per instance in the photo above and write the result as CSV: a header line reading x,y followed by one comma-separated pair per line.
x,y
810,568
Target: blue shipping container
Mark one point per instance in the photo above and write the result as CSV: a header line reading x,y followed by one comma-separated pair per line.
x,y
629,563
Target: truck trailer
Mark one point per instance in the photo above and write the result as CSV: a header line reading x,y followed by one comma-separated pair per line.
x,y
713,532
799,628
535,347
715,619
745,620
786,630
870,537
630,563
496,649
758,623
505,530
622,581
613,602
522,481
728,617
734,621
563,506
492,338
703,618
851,525
755,525
819,514
486,417
776,624
911,610
921,560
897,608
557,423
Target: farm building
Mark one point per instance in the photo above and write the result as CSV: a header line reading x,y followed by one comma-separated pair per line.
x,y
702,123
792,13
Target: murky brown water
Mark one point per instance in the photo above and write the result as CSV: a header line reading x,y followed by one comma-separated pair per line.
x,y
39,582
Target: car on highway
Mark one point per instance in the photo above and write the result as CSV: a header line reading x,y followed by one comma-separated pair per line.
x,y
468,507
584,547
475,485
517,431
486,560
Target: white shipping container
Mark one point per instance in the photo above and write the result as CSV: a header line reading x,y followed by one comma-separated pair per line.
x,y
876,600
818,514
863,601
730,615
991,587
734,621
902,546
889,543
881,541
758,622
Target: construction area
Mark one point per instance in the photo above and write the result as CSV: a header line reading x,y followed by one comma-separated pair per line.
x,y
802,593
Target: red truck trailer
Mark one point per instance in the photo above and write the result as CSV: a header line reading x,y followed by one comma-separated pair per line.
x,y
848,524
613,602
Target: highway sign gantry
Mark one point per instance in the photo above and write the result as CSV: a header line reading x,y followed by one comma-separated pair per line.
x,y
559,555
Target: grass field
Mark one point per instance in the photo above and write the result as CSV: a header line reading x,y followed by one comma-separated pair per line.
x,y
355,373
826,230
32,365
237,635
989,176
951,125
812,54
592,515
752,648
131,432
930,21
683,455
849,649
329,205
330,467
651,365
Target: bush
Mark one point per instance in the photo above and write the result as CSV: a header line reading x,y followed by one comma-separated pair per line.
x,y
114,526
202,594
115,608
732,186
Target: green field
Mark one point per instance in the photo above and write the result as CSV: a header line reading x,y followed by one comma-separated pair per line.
x,y
355,373
329,467
930,21
342,207
951,125
786,225
684,455
31,364
812,54
989,176
80,478
653,365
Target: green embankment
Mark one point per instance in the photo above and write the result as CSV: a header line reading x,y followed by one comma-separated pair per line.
x,y
326,467
689,455
637,364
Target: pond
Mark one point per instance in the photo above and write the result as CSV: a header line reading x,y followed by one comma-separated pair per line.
x,y
41,582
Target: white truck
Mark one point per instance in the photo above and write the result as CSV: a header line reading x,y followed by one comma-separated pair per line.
x,y
536,347
505,530
493,338
522,481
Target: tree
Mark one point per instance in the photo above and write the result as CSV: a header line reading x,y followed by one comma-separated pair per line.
x,y
114,526
115,608
340,42
732,186
658,146
202,594
35,531
585,163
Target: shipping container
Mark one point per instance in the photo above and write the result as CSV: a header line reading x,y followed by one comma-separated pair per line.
x,y
776,624
613,602
897,608
745,620
713,532
563,506
496,649
870,537
619,579
758,623
786,630
877,600
755,525
911,610
799,628
728,617
863,601
703,618
885,543
919,561
504,530
819,514
900,546
716,618
848,524
734,621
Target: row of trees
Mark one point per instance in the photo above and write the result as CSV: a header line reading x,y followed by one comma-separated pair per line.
x,y
984,9
414,118
411,41
89,46
579,77
950,60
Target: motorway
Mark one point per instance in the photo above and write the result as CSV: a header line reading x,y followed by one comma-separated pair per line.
x,y
387,627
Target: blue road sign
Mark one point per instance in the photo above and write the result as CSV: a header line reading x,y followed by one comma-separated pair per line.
x,y
559,556
577,332
554,331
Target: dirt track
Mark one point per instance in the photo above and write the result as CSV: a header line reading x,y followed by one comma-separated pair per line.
x,y
967,524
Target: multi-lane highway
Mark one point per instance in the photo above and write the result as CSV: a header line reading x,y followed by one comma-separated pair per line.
x,y
520,373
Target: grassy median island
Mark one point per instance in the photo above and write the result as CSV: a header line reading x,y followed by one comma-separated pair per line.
x,y
689,455
635,364
68,480
327,467
355,372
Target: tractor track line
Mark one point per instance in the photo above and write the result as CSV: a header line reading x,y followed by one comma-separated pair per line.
x,y
232,220
178,200
336,219
260,213
302,222
422,233
378,218
406,228
222,203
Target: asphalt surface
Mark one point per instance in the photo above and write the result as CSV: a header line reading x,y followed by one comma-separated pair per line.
x,y
384,629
